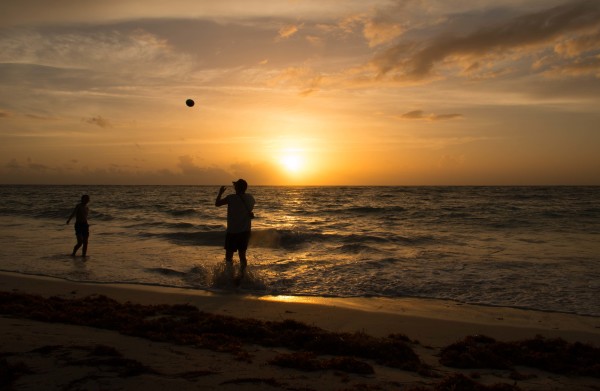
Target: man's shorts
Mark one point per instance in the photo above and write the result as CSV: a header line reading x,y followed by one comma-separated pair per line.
x,y
82,229
237,241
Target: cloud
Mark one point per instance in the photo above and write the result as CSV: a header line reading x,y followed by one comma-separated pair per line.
x,y
41,117
12,165
580,67
101,50
35,172
379,32
416,114
88,11
306,79
377,29
451,161
420,115
260,173
37,167
287,31
441,117
99,121
30,165
571,47
190,169
315,40
416,61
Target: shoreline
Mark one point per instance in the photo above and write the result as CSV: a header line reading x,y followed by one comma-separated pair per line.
x,y
391,305
75,356
377,316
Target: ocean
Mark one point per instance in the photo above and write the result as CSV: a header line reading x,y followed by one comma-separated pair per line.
x,y
526,247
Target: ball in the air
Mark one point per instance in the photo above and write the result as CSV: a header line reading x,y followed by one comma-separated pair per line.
x,y
189,103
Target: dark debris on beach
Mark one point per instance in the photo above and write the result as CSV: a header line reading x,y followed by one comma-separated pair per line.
x,y
552,355
459,382
309,362
345,352
185,324
9,372
107,362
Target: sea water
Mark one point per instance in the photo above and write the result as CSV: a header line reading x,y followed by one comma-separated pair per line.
x,y
526,247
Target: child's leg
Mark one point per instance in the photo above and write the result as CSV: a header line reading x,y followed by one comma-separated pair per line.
x,y
85,246
78,245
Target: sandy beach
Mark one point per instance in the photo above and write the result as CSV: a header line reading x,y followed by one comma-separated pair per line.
x,y
66,355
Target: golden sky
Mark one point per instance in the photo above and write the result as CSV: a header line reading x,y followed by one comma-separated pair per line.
x,y
303,92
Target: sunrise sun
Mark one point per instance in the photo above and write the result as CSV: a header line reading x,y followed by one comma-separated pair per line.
x,y
292,163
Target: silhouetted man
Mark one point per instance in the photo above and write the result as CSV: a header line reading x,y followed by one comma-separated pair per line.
x,y
239,223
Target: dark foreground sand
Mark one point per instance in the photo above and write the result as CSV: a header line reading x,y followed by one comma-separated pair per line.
x,y
61,353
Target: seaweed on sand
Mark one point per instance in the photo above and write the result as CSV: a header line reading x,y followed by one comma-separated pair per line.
x,y
309,362
461,382
389,351
185,324
454,382
9,372
552,355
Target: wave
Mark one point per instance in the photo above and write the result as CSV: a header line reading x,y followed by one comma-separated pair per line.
x,y
101,216
214,278
293,239
417,240
167,225
289,239
268,238
366,210
361,238
199,238
52,214
382,263
166,272
183,212
357,248
262,238
221,277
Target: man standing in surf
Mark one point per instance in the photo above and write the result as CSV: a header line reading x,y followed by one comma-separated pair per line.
x,y
82,228
239,223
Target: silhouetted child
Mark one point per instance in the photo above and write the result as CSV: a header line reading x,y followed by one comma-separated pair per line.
x,y
82,228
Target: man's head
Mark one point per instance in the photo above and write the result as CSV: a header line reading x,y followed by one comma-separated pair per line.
x,y
240,186
85,198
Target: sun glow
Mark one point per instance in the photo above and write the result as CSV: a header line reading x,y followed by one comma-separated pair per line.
x,y
292,163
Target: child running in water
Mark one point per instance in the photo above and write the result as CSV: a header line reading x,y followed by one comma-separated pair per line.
x,y
82,228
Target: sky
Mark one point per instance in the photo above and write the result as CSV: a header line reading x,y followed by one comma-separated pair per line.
x,y
300,92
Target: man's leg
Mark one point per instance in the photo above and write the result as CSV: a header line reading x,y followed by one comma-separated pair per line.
x,y
244,239
229,263
243,263
238,279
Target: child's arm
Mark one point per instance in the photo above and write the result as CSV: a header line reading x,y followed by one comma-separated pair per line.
x,y
72,215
